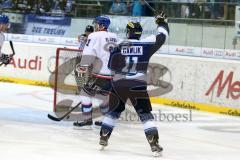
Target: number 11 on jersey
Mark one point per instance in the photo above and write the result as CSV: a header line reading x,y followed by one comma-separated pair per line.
x,y
131,64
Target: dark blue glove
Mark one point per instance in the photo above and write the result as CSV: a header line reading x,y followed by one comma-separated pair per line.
x,y
160,18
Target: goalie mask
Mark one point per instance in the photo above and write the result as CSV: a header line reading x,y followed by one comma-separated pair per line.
x,y
133,30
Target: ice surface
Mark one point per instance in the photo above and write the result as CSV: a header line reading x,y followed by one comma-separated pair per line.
x,y
27,134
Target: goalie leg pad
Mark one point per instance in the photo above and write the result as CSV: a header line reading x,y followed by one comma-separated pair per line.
x,y
83,74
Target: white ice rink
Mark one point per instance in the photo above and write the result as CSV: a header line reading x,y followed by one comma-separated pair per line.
x,y
27,134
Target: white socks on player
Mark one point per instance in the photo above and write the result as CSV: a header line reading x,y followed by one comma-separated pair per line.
x,y
149,125
109,121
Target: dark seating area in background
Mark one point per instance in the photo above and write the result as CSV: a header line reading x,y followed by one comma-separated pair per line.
x,y
55,7
177,10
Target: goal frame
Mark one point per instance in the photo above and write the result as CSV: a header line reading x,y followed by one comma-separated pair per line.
x,y
58,52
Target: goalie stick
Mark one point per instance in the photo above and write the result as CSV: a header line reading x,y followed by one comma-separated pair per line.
x,y
65,115
13,51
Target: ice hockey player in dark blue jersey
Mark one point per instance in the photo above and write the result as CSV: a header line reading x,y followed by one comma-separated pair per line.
x,y
129,62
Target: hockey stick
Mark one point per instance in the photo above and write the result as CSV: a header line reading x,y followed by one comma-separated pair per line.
x,y
150,7
11,45
65,115
158,14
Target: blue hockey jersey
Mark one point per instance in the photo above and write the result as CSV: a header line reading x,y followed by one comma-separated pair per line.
x,y
132,56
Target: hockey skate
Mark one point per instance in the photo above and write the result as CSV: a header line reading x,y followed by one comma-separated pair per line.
x,y
155,147
87,124
104,136
98,123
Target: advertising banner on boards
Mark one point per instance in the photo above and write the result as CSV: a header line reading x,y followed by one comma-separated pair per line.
x,y
47,25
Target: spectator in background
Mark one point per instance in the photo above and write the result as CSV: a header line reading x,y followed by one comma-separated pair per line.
x,y
42,6
7,4
217,9
138,8
68,7
129,7
118,8
194,9
45,6
59,5
176,8
185,9
147,10
56,5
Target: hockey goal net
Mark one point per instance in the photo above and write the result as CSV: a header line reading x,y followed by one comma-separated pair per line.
x,y
66,92
64,81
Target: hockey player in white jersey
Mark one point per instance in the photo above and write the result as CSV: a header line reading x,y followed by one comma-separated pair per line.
x,y
4,25
96,55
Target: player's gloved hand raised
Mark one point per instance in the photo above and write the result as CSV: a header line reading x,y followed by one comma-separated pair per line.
x,y
160,18
82,38
5,59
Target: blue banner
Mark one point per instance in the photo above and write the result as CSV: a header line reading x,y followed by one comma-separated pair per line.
x,y
47,25
63,21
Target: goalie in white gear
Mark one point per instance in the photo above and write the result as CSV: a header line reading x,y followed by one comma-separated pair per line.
x,y
96,55
4,25
82,39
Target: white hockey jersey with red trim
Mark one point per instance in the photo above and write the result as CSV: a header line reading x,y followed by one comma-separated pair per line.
x,y
99,44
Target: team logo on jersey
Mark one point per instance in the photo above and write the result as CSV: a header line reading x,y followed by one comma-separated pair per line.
x,y
132,50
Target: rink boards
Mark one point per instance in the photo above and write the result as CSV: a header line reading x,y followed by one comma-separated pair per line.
x,y
211,85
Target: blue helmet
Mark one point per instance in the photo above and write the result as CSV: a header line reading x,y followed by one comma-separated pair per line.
x,y
4,19
102,20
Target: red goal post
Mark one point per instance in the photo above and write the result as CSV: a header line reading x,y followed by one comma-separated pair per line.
x,y
64,80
